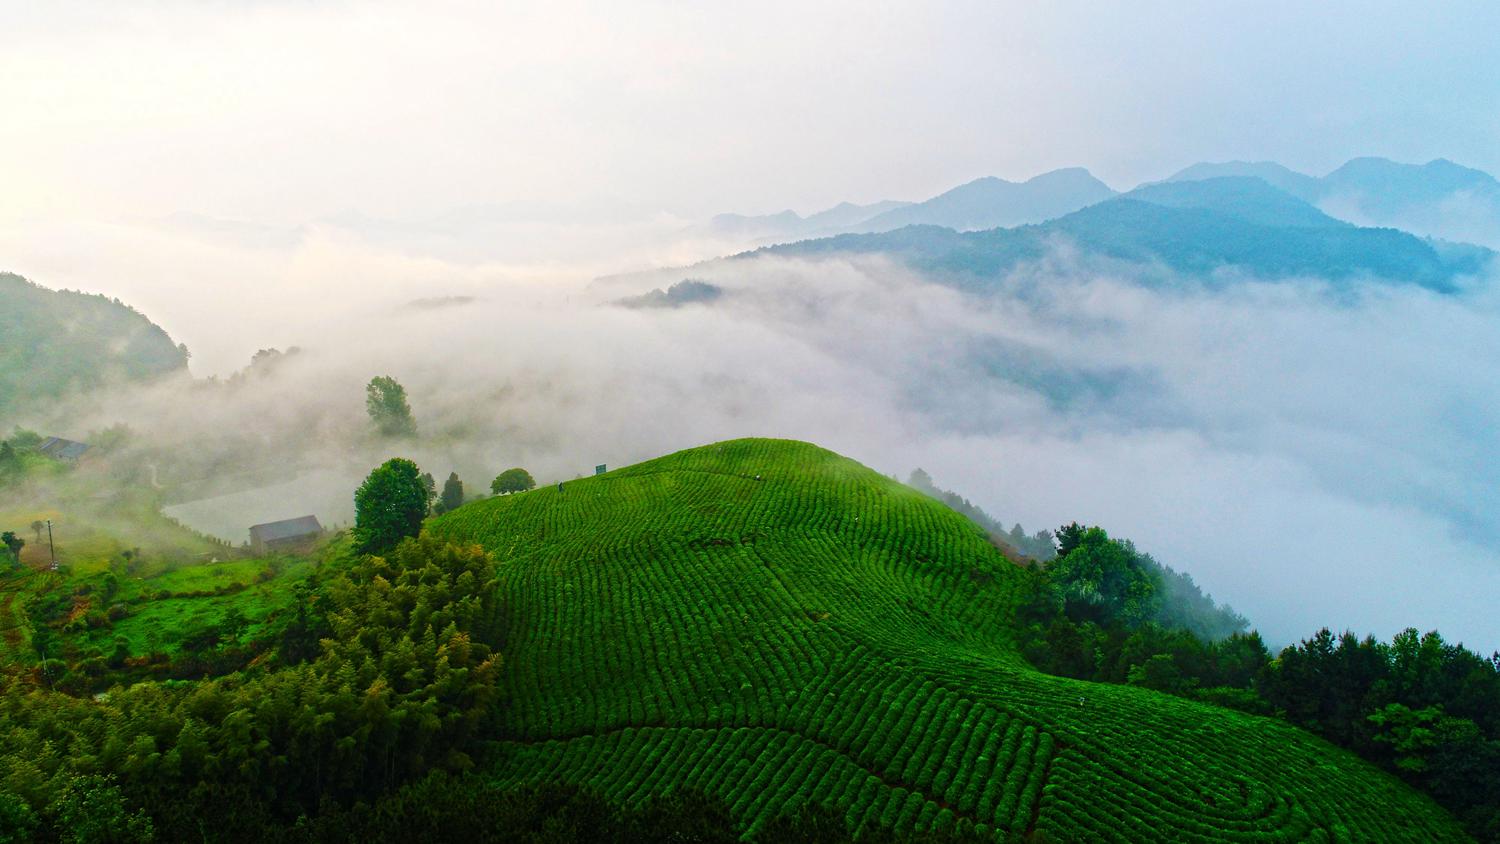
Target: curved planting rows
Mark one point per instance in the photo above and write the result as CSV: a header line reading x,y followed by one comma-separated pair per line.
x,y
775,624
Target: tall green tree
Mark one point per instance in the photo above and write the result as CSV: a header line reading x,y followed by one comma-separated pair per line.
x,y
1068,537
389,506
512,480
453,494
431,483
385,401
13,544
1103,579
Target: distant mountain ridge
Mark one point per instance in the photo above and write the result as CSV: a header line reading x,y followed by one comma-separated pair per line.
x,y
789,223
1195,230
1300,185
1364,191
989,202
1437,199
1209,223
983,203
1248,198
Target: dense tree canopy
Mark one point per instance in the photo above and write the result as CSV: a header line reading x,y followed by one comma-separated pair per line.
x,y
453,494
389,506
512,480
403,683
1425,708
1102,577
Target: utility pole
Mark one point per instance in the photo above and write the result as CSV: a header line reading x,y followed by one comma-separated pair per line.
x,y
47,670
51,546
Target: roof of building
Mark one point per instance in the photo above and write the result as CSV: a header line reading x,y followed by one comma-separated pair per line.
x,y
59,448
286,529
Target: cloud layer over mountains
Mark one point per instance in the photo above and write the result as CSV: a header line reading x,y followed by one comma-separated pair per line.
x,y
1313,450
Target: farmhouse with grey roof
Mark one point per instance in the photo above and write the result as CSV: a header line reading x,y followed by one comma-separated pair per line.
x,y
285,535
58,448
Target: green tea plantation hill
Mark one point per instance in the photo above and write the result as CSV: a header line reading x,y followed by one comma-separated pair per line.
x,y
774,624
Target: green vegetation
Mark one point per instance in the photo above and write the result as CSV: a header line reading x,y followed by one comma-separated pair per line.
x,y
135,595
237,601
13,545
59,342
385,401
1421,706
689,291
1426,710
512,480
452,496
390,505
104,622
1037,546
757,639
443,807
403,685
777,626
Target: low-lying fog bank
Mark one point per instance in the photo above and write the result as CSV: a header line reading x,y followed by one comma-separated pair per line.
x,y
1310,458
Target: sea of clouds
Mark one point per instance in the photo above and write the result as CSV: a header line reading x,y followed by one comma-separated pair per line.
x,y
1312,458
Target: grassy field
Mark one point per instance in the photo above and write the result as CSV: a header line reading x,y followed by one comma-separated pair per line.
x,y
89,536
255,589
174,585
778,625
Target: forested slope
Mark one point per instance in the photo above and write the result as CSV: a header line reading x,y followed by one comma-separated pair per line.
x,y
776,625
53,342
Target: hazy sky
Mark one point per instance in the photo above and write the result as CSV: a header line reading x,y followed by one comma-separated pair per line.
x,y
288,111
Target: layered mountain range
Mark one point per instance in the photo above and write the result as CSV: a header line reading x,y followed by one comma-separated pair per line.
x,y
1430,225
1438,199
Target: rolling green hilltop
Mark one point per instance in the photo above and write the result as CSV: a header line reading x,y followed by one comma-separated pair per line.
x,y
775,625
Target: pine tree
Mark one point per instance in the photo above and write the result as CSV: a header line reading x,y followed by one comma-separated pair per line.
x,y
453,494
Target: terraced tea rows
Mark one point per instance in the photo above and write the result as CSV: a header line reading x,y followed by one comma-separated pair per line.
x,y
778,625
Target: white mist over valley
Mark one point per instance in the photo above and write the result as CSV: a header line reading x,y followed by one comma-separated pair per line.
x,y
1283,442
